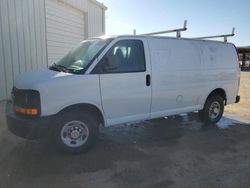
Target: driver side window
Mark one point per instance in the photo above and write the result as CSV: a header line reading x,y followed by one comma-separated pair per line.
x,y
124,57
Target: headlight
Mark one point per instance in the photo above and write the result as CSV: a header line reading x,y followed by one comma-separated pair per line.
x,y
26,102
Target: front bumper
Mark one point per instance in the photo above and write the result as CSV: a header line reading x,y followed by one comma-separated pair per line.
x,y
28,127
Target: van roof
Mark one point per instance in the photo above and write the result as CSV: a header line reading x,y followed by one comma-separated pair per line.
x,y
163,37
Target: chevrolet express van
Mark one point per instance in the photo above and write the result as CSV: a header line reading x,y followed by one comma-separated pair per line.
x,y
114,80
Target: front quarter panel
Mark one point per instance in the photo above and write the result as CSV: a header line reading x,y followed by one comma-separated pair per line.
x,y
61,93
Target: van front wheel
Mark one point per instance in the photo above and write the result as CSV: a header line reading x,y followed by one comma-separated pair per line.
x,y
76,132
213,110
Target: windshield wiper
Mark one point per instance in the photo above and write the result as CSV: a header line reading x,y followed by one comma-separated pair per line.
x,y
54,67
60,68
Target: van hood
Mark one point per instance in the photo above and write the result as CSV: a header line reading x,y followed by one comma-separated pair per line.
x,y
59,90
35,78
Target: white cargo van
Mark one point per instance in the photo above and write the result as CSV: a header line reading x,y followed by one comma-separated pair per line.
x,y
114,80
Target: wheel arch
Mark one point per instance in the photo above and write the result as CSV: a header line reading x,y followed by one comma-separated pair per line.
x,y
87,107
218,91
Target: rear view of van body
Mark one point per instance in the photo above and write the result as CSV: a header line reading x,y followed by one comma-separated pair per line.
x,y
122,79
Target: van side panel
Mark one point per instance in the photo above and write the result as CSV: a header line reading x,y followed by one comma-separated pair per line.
x,y
221,69
176,76
185,72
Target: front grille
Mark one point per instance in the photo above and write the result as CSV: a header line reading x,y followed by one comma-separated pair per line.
x,y
26,98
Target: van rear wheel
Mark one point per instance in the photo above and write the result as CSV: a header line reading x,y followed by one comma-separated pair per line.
x,y
76,132
213,110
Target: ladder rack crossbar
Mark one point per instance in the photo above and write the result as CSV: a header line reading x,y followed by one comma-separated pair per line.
x,y
184,28
177,31
225,36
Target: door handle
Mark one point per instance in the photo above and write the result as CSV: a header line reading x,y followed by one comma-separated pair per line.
x,y
147,80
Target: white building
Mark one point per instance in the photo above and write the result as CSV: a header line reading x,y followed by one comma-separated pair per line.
x,y
36,33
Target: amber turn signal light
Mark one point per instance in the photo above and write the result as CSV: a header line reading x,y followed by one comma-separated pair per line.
x,y
26,111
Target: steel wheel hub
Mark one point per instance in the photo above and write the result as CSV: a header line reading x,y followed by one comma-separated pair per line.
x,y
74,133
214,110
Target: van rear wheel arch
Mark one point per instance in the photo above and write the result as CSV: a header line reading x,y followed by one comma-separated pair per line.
x,y
213,110
217,92
216,98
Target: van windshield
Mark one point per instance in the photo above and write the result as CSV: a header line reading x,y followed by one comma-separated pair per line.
x,y
78,59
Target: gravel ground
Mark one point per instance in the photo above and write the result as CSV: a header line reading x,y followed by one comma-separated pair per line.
x,y
175,152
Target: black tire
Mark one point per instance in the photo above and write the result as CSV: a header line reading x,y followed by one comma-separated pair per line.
x,y
213,110
201,115
85,121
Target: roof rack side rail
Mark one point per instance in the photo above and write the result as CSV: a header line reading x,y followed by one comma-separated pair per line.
x,y
225,36
177,31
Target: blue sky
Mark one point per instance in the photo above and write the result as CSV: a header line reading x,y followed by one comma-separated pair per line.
x,y
205,17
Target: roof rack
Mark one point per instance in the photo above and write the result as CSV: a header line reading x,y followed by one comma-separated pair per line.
x,y
184,28
225,36
177,31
